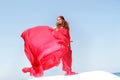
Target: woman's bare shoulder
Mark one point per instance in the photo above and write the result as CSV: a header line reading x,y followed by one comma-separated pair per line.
x,y
55,27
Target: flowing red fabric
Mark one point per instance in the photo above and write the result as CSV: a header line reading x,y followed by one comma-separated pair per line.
x,y
45,47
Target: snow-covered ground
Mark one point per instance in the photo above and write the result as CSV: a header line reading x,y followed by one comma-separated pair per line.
x,y
92,75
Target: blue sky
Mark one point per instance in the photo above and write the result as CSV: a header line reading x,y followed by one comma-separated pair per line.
x,y
94,28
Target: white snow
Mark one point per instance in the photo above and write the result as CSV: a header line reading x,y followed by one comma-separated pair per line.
x,y
92,75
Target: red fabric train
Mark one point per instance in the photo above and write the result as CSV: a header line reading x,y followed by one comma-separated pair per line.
x,y
45,47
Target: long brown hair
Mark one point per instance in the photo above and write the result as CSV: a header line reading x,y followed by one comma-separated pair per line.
x,y
64,24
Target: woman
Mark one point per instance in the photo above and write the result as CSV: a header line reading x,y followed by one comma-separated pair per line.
x,y
63,27
45,47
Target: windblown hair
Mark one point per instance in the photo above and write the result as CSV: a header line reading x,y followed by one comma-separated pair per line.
x,y
64,24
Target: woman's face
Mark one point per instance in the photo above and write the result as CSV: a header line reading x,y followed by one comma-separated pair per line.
x,y
59,20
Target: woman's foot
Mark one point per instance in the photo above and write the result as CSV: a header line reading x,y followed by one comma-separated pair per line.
x,y
70,73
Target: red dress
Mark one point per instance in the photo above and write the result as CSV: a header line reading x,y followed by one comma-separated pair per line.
x,y
45,47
